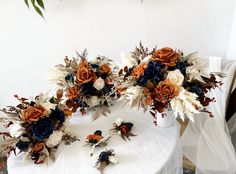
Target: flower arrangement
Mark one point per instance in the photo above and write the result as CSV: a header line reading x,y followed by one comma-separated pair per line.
x,y
89,85
36,127
166,79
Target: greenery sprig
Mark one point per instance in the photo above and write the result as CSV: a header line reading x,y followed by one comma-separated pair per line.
x,y
38,5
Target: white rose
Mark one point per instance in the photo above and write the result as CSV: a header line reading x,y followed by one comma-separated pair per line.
x,y
93,101
16,130
175,77
54,139
99,83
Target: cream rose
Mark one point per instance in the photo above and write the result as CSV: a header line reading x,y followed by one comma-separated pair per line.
x,y
175,77
54,139
99,83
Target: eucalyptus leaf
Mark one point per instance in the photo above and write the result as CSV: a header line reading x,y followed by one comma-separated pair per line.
x,y
40,3
37,9
27,3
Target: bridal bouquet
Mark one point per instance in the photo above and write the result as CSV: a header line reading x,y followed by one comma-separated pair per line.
x,y
89,85
35,127
166,79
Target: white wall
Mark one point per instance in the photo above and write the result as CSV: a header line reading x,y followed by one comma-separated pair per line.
x,y
29,46
231,53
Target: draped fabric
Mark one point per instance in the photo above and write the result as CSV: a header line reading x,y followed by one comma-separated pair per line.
x,y
154,150
207,142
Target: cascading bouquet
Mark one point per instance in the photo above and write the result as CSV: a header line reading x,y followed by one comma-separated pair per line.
x,y
89,85
166,79
36,127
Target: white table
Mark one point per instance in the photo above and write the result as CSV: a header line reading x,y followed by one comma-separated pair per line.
x,y
154,150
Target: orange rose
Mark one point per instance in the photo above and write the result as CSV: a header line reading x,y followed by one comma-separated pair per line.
x,y
165,91
166,56
84,74
105,68
139,70
38,147
72,92
33,113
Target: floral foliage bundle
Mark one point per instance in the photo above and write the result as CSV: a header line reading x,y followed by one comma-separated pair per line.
x,y
88,84
166,79
36,127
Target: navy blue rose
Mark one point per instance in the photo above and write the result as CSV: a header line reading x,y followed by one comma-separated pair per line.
x,y
107,88
80,102
57,114
42,129
94,65
152,73
104,156
22,145
196,90
181,66
88,89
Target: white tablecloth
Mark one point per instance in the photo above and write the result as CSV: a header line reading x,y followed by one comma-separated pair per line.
x,y
154,150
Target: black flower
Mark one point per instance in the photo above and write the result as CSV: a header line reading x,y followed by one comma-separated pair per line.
x,y
152,73
181,66
88,89
42,129
57,114
22,145
195,89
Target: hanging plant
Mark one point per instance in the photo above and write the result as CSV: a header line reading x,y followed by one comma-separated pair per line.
x,y
38,5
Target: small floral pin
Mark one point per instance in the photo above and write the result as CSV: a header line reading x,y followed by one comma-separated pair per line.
x,y
96,139
105,158
123,129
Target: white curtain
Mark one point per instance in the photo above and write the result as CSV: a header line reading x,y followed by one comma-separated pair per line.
x,y
207,142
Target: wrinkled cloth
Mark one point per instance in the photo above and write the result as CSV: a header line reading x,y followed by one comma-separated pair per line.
x,y
207,142
154,150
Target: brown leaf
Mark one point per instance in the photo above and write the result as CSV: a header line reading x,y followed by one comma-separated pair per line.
x,y
126,69
120,72
20,106
23,99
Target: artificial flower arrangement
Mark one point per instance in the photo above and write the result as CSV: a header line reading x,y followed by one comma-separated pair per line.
x,y
36,127
166,79
89,85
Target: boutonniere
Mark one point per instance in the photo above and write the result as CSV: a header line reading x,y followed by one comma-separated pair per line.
x,y
123,129
105,158
96,139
